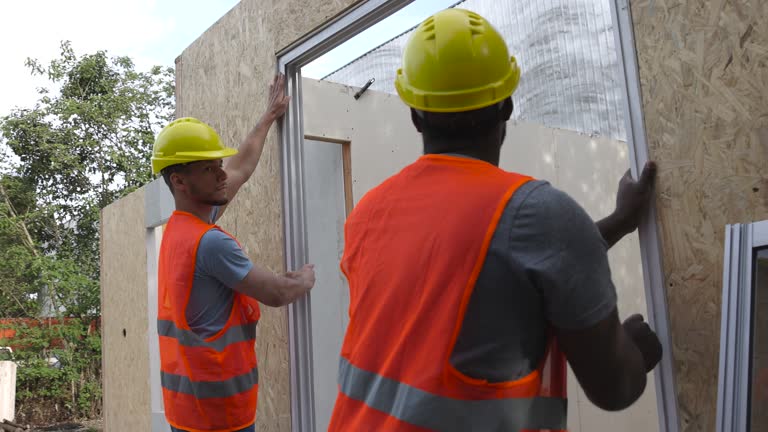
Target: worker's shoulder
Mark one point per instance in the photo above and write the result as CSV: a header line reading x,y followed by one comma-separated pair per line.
x,y
215,241
538,200
537,194
376,193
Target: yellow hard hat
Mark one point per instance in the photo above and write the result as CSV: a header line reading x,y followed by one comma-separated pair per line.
x,y
456,61
187,140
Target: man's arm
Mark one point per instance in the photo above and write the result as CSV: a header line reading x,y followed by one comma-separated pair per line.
x,y
221,257
277,290
562,252
241,166
611,360
632,201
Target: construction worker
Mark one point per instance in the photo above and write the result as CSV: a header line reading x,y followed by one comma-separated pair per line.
x,y
470,286
208,288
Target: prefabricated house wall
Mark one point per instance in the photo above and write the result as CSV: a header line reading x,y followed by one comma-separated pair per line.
x,y
704,86
125,352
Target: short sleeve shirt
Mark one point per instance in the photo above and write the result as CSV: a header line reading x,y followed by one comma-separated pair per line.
x,y
220,265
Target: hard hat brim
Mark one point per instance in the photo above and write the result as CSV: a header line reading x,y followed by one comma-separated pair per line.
x,y
160,163
208,155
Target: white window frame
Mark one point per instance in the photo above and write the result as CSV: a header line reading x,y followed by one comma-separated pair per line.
x,y
736,324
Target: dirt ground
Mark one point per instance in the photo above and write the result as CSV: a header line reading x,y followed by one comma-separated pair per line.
x,y
84,426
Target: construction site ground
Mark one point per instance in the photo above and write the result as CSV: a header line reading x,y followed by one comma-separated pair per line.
x,y
96,425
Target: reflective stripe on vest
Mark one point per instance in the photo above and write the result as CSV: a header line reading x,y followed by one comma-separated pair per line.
x,y
210,389
431,411
234,334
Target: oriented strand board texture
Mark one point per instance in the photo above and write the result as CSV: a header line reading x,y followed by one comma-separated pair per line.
x,y
125,352
383,140
705,98
223,79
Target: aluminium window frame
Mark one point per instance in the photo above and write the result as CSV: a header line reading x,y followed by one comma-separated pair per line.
x,y
650,247
345,26
734,381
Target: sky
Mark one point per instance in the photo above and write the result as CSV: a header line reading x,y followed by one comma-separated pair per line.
x,y
152,32
149,31
381,32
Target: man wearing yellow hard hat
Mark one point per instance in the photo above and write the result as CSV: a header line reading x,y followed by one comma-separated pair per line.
x,y
208,289
471,286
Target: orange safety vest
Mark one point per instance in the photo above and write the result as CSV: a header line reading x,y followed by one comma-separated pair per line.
x,y
414,248
208,384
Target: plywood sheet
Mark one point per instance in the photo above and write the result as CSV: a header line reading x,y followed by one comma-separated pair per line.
x,y
223,79
704,85
125,352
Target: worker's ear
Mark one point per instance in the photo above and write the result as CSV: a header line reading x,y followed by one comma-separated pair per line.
x,y
177,180
416,119
506,108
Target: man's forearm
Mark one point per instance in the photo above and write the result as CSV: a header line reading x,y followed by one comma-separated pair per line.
x,y
287,290
250,150
611,229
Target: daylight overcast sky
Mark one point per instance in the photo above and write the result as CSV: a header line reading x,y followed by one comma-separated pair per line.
x,y
152,32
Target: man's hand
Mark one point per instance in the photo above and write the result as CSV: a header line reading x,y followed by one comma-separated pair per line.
x,y
278,100
632,202
634,197
645,339
305,276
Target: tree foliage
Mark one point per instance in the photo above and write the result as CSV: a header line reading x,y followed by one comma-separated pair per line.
x,y
85,143
58,377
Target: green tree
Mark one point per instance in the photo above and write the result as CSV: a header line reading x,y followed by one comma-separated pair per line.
x,y
85,143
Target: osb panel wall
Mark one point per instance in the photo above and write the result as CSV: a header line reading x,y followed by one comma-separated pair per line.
x,y
125,353
223,79
705,98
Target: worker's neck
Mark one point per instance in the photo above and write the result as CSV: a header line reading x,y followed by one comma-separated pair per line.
x,y
201,210
474,150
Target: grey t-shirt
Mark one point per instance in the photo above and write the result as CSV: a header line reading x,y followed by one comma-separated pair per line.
x,y
220,265
554,262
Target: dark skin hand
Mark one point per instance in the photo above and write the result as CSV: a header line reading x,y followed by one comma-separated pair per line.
x,y
632,202
645,339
